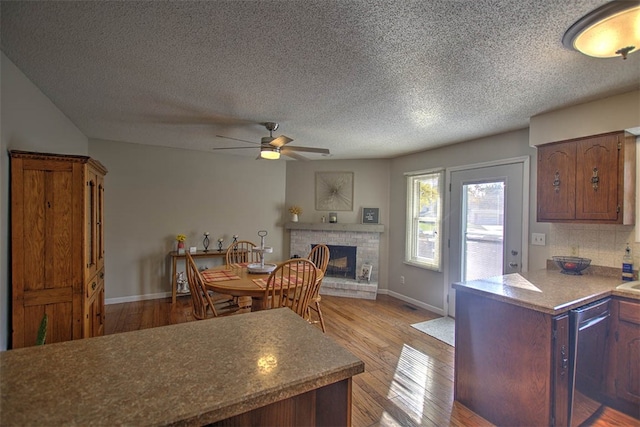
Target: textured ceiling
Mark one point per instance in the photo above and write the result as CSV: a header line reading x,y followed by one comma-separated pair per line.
x,y
366,79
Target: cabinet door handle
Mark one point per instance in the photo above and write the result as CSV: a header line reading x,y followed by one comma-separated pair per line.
x,y
556,182
93,286
595,180
102,274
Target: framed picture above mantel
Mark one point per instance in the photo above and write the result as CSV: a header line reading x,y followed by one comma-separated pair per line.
x,y
334,191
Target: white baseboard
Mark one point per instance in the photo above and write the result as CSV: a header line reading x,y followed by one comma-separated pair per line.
x,y
133,298
415,302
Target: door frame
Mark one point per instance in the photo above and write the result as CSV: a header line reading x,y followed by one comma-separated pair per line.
x,y
526,172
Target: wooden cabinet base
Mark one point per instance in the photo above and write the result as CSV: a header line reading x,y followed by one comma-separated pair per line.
x,y
623,380
503,362
327,406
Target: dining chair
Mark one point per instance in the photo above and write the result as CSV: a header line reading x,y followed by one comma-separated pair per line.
x,y
241,252
319,255
203,299
292,284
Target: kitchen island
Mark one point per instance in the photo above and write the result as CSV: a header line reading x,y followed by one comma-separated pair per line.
x,y
268,367
513,343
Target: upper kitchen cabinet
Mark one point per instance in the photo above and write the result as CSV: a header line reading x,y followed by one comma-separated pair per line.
x,y
57,246
588,180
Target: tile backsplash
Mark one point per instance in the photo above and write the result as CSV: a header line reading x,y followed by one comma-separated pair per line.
x,y
603,244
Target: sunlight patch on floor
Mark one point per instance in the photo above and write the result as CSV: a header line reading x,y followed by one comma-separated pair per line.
x,y
411,380
387,420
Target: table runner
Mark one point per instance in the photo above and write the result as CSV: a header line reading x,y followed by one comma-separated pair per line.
x,y
238,265
218,275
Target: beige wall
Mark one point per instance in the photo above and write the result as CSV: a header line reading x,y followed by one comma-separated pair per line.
x,y
29,121
426,287
154,193
371,190
591,118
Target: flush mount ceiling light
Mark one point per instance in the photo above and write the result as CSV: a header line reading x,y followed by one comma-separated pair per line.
x,y
611,30
269,152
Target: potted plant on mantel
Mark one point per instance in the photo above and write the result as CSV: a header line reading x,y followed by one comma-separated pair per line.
x,y
295,211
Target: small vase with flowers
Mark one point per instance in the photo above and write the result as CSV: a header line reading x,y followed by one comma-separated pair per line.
x,y
180,238
295,211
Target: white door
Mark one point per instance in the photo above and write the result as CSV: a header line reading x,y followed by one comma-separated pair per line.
x,y
485,223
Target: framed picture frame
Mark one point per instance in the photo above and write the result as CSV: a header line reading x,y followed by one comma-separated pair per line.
x,y
365,272
334,191
370,215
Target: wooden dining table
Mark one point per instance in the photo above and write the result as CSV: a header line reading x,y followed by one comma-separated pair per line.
x,y
237,281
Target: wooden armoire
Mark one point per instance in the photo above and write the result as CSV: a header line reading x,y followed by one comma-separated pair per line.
x,y
57,246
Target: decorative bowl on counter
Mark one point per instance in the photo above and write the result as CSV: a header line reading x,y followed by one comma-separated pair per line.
x,y
571,264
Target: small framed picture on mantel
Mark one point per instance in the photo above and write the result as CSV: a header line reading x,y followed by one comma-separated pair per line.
x,y
370,215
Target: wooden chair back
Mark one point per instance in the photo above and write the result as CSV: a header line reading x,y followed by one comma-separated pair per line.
x,y
200,298
319,255
240,252
204,300
292,284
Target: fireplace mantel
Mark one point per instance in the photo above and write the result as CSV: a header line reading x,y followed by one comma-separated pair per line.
x,y
324,226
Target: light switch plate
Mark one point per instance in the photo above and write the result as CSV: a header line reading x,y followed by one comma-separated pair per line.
x,y
538,239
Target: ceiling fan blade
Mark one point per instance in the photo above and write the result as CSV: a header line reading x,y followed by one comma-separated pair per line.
x,y
236,139
280,141
308,149
232,148
293,155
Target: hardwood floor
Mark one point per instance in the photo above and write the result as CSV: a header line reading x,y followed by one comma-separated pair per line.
x,y
408,378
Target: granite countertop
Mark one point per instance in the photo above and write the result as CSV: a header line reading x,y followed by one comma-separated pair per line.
x,y
192,373
548,291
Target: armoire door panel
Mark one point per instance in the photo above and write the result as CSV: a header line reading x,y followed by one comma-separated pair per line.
x,y
47,262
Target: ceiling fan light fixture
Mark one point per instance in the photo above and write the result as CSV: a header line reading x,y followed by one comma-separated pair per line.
x,y
269,153
609,31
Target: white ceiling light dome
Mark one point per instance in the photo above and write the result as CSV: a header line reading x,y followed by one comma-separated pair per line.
x,y
609,31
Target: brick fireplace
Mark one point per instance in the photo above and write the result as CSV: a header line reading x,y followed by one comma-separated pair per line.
x,y
365,238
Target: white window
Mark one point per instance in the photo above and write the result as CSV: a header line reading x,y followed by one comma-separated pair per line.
x,y
424,219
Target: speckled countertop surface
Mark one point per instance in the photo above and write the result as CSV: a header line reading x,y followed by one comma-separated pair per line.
x,y
548,291
191,373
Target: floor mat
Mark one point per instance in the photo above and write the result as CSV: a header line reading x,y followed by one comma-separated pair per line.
x,y
442,328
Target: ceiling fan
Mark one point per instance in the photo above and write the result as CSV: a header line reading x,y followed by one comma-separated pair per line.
x,y
271,148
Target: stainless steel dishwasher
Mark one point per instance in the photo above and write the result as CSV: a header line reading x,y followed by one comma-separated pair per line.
x,y
588,336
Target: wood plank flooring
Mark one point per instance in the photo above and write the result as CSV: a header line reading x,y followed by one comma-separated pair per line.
x,y
408,378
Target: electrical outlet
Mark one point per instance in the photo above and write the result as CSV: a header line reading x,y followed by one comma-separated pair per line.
x,y
402,280
538,239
